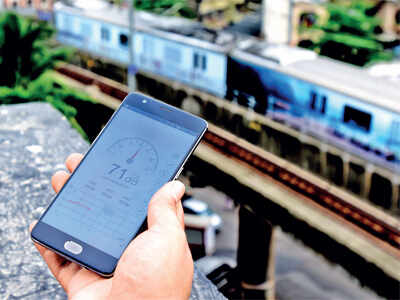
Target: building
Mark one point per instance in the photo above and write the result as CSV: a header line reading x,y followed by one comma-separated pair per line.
x,y
282,19
389,12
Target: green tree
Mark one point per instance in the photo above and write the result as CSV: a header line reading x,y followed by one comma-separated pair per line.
x,y
349,34
24,50
179,8
26,61
47,89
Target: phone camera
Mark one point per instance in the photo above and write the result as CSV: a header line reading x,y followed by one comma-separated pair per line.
x,y
144,101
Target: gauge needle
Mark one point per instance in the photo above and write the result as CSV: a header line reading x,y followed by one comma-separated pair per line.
x,y
130,160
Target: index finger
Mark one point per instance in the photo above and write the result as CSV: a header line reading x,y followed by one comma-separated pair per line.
x,y
73,161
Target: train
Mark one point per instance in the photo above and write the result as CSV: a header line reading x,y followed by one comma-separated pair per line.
x,y
338,103
170,47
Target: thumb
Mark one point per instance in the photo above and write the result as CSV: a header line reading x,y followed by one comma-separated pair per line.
x,y
163,206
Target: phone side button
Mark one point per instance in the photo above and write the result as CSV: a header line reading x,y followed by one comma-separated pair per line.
x,y
179,173
73,247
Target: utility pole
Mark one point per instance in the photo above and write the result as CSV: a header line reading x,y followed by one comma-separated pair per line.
x,y
290,19
276,20
131,67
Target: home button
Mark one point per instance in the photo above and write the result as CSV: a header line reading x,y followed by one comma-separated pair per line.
x,y
73,247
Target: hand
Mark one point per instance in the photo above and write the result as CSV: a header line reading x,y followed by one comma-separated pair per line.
x,y
157,264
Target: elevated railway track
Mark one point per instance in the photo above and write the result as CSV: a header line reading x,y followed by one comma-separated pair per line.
x,y
358,174
363,228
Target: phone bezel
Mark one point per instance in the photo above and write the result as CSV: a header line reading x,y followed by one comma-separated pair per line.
x,y
94,259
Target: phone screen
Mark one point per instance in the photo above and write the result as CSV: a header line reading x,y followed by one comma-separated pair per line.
x,y
105,201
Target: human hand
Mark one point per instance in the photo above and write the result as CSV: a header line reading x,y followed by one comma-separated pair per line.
x,y
157,264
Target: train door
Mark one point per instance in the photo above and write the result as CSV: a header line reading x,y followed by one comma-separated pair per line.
x,y
86,29
173,60
316,110
123,40
317,104
123,45
146,53
200,65
105,34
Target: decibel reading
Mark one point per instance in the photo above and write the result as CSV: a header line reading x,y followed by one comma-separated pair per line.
x,y
121,174
134,158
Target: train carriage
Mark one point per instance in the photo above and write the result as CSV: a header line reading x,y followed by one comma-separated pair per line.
x,y
340,104
87,31
174,48
194,62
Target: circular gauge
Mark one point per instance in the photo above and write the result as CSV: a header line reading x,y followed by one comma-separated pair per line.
x,y
135,154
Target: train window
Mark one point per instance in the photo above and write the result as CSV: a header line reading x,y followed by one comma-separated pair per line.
x,y
204,63
199,61
318,104
357,118
323,106
308,19
196,61
398,17
123,39
172,54
313,100
105,34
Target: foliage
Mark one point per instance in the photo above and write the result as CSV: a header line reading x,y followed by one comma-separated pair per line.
x,y
26,60
24,51
350,34
47,89
167,7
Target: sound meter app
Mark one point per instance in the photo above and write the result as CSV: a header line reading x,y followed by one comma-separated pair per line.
x,y
105,201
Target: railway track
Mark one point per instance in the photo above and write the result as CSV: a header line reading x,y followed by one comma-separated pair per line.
x,y
374,223
324,195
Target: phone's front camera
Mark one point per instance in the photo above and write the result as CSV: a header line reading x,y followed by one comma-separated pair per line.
x,y
144,101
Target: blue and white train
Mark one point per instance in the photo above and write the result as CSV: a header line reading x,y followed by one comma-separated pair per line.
x,y
194,56
336,102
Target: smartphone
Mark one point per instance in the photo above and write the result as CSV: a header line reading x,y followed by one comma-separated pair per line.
x,y
103,205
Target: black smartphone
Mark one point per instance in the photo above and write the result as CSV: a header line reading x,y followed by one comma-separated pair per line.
x,y
103,205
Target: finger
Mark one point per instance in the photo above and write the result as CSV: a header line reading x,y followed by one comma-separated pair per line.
x,y
180,214
32,225
58,180
163,205
62,269
73,161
